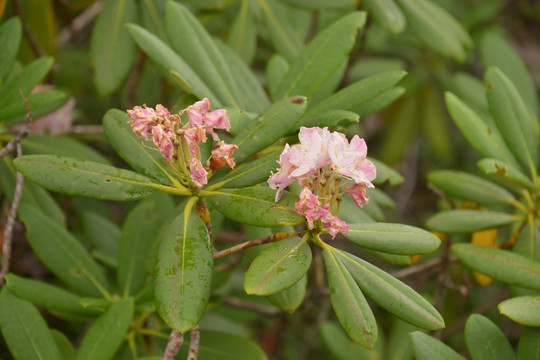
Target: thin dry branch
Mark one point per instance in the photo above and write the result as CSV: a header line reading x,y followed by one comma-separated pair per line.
x,y
173,345
248,305
8,232
248,244
78,23
193,352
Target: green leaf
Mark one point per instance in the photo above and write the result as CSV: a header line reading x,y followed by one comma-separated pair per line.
x,y
273,123
342,347
48,296
485,340
63,145
242,36
529,344
331,84
328,118
140,229
468,221
399,345
350,306
380,102
278,267
183,272
257,206
437,28
524,310
10,39
25,80
393,238
479,135
276,69
387,14
152,17
518,126
32,194
112,50
321,4
252,95
67,352
103,234
40,104
312,67
351,214
378,196
386,173
464,186
391,294
148,162
25,331
168,60
84,178
221,346
496,51
251,173
505,172
427,348
107,332
290,299
62,253
192,42
528,242
499,264
282,36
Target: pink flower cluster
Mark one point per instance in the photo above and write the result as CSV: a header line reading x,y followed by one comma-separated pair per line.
x,y
169,134
323,163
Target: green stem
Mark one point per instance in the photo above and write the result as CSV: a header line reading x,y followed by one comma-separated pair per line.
x,y
172,190
154,333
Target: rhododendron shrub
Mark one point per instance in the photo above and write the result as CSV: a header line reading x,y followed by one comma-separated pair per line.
x,y
260,195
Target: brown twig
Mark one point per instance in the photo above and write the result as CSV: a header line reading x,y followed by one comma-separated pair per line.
x,y
442,195
31,40
248,244
8,232
173,345
22,133
6,245
248,305
78,23
424,268
193,352
442,279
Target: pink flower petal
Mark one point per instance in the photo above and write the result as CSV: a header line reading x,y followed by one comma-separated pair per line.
x,y
193,137
198,173
282,178
358,193
163,142
222,153
335,225
310,207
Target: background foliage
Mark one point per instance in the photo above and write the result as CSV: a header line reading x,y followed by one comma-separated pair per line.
x,y
444,92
